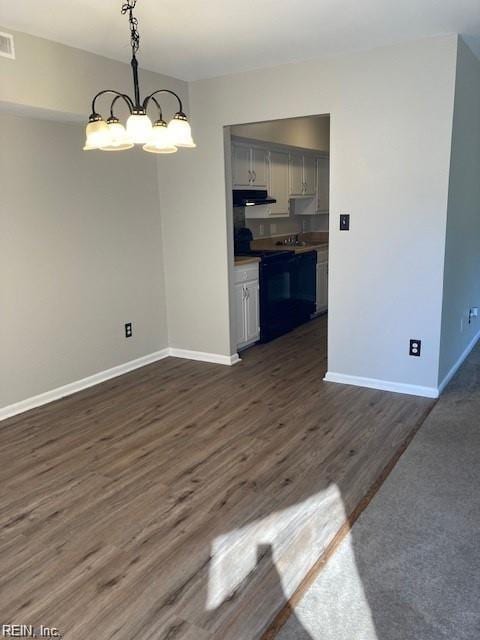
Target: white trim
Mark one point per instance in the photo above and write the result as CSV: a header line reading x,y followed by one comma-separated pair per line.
x,y
459,362
383,385
204,356
102,376
79,385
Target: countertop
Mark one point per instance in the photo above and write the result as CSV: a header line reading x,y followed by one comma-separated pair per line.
x,y
309,247
316,241
239,260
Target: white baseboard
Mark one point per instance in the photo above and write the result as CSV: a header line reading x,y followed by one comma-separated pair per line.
x,y
204,356
73,387
459,362
79,385
383,385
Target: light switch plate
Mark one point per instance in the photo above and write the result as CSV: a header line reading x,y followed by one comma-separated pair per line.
x,y
344,222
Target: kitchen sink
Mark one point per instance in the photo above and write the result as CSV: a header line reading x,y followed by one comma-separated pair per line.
x,y
297,243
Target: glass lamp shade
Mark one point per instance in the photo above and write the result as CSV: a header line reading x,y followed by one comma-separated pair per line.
x,y
180,131
97,135
118,137
139,127
160,139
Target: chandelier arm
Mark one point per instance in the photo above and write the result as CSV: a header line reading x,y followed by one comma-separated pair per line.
x,y
150,97
118,97
127,99
160,117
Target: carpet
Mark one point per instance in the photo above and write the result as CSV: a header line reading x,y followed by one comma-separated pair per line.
x,y
410,567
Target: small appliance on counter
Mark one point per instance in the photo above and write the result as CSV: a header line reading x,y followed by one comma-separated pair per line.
x,y
287,286
241,241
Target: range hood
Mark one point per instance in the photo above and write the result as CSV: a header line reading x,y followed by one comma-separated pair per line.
x,y
251,197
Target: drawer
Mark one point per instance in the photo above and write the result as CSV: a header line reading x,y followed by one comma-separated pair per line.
x,y
245,272
322,255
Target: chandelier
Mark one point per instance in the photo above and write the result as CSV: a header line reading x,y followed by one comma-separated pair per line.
x,y
111,135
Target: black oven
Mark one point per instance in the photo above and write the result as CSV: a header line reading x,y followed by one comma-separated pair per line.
x,y
287,291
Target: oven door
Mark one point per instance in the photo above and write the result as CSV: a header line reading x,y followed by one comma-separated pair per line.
x,y
277,310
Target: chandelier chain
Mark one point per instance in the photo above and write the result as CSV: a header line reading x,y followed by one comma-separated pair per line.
x,y
128,7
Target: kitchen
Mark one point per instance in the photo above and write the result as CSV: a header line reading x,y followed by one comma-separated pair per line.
x,y
280,195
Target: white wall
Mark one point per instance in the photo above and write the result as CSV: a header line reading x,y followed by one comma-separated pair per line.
x,y
462,254
80,255
61,81
391,113
308,133
391,121
81,240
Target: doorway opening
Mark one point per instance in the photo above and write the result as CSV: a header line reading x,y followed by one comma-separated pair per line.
x,y
278,185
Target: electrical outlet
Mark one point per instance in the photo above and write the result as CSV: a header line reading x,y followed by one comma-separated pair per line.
x,y
344,222
415,347
128,330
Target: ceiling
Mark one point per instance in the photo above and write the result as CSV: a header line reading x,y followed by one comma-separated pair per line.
x,y
194,39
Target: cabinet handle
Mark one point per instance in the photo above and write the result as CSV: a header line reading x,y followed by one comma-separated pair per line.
x,y
254,175
249,176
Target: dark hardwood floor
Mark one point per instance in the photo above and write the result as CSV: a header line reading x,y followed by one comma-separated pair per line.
x,y
166,503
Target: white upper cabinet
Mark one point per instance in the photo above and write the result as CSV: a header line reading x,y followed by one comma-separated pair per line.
x,y
296,174
302,175
260,167
298,179
278,183
241,165
309,173
314,201
249,166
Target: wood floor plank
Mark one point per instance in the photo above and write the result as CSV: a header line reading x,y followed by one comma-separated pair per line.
x,y
188,500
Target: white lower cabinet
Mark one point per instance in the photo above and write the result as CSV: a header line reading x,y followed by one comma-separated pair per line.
x,y
247,305
322,281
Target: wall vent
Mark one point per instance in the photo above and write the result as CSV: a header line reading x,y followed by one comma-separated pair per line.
x,y
7,49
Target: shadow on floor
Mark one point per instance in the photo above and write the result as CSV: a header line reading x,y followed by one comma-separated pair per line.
x,y
265,552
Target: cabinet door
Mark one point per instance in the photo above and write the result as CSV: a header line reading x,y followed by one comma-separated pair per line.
x,y
322,286
296,174
241,165
240,320
259,167
309,175
252,312
323,184
278,183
